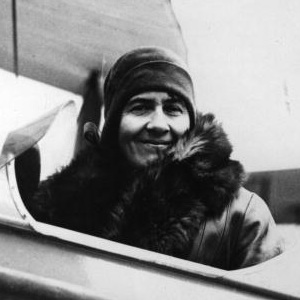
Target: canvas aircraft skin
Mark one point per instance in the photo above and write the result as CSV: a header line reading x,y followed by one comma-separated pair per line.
x,y
41,261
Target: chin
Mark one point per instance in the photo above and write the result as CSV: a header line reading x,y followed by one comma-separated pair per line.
x,y
142,162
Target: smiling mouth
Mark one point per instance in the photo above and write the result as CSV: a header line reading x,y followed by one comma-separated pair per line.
x,y
156,144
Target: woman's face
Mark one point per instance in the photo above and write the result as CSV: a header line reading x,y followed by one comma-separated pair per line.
x,y
150,123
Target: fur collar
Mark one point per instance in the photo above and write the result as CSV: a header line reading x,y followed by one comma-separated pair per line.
x,y
160,208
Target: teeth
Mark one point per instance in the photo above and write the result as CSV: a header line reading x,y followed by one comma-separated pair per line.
x,y
157,143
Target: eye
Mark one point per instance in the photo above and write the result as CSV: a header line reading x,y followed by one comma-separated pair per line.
x,y
174,109
137,109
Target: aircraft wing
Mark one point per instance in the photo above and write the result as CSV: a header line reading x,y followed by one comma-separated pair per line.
x,y
58,41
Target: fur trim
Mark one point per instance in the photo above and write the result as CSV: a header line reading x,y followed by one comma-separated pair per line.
x,y
159,208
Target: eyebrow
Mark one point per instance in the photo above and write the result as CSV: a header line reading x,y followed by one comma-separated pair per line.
x,y
175,99
137,98
171,98
136,101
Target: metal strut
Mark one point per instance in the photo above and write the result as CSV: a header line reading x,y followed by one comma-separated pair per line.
x,y
15,37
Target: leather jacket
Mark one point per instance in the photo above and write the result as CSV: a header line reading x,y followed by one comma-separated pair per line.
x,y
244,235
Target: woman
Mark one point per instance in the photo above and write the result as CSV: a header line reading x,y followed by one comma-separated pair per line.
x,y
160,175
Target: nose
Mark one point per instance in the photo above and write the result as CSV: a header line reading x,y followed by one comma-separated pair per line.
x,y
158,122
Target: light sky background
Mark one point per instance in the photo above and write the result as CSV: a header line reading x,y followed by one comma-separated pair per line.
x,y
245,59
244,56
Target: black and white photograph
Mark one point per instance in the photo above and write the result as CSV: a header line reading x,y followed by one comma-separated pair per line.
x,y
149,149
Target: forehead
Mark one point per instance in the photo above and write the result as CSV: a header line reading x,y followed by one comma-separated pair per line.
x,y
156,97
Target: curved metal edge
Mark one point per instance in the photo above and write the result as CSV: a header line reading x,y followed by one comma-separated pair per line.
x,y
257,290
28,286
151,260
122,251
26,218
14,222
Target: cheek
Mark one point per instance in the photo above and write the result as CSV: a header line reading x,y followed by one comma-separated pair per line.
x,y
129,126
180,125
124,137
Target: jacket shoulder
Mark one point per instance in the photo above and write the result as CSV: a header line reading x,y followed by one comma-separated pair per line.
x,y
244,235
251,231
246,199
